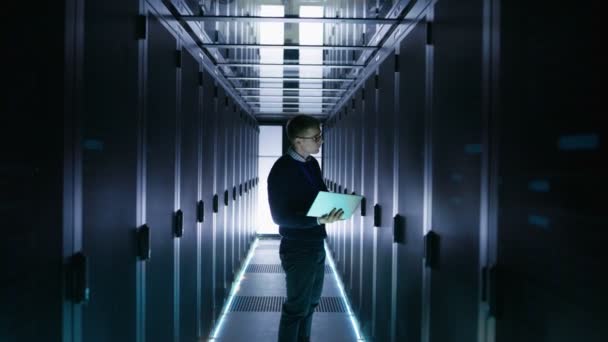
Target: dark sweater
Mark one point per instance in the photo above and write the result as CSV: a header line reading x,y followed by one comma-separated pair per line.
x,y
292,188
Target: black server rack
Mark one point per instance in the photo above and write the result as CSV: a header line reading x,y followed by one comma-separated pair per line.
x,y
111,170
357,131
186,225
328,167
216,203
336,184
344,232
456,165
160,164
229,143
246,193
248,150
350,186
410,121
220,231
207,204
369,121
239,188
383,199
547,222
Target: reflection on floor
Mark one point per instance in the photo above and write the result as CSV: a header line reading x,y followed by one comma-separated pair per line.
x,y
255,309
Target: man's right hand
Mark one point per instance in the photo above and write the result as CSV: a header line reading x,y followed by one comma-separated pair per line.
x,y
333,216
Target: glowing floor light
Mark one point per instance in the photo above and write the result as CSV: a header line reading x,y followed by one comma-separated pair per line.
x,y
218,327
351,315
235,289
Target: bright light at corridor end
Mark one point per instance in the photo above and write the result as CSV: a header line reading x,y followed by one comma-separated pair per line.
x,y
353,320
218,327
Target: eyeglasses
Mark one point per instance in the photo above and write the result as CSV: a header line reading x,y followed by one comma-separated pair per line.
x,y
316,138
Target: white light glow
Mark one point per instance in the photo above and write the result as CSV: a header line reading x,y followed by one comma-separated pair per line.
x,y
271,33
311,34
235,289
241,275
270,149
353,320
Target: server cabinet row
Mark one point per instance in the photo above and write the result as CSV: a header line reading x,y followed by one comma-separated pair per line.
x,y
197,177
145,188
469,230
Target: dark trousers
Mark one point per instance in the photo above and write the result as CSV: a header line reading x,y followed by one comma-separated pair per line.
x,y
304,270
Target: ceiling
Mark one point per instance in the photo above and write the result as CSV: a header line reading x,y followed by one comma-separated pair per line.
x,y
283,58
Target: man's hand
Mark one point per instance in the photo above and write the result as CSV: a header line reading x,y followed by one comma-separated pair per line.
x,y
333,216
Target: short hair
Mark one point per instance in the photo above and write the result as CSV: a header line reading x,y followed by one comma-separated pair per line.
x,y
298,124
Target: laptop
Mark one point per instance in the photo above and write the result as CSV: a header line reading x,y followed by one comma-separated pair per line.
x,y
326,201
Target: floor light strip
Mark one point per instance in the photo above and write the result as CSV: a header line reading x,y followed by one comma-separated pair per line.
x,y
353,320
233,292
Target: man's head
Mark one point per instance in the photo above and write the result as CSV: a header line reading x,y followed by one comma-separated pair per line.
x,y
304,133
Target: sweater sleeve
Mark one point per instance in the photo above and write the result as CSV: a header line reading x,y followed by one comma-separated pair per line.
x,y
279,200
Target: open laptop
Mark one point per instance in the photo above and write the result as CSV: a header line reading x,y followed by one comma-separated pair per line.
x,y
326,201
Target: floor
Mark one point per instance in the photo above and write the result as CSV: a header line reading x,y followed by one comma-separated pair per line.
x,y
254,311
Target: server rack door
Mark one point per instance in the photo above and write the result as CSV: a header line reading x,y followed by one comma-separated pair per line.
x,y
233,192
208,191
332,168
358,129
257,162
343,175
411,125
328,161
256,148
160,181
245,192
229,143
551,221
239,199
369,121
40,204
338,173
329,152
243,183
250,172
350,189
190,133
383,238
337,227
348,174
456,165
246,165
249,165
327,146
220,178
256,145
110,177
239,186
248,161
341,169
333,157
246,196
335,180
326,150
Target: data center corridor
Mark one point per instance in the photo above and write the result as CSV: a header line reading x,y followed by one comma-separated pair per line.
x,y
133,173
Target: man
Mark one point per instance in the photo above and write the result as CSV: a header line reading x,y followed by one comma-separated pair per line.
x,y
293,183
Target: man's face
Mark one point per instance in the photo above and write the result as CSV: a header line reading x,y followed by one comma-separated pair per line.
x,y
311,140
